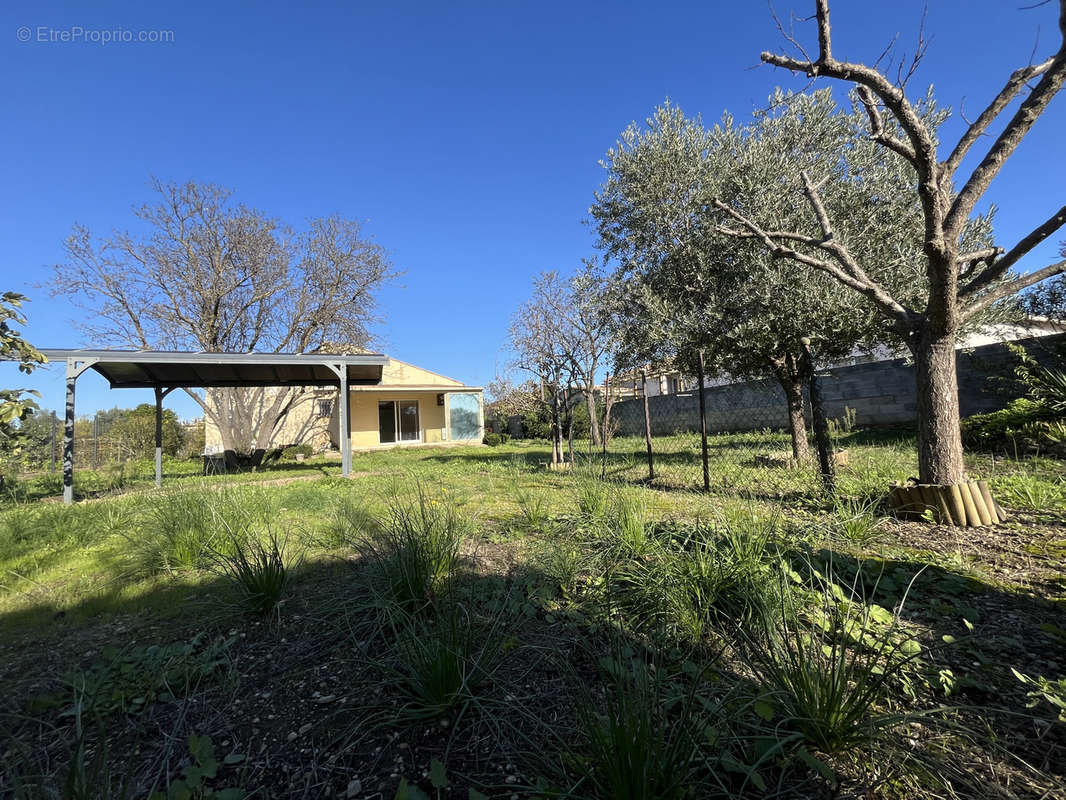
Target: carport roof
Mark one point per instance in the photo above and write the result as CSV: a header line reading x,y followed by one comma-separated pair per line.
x,y
138,369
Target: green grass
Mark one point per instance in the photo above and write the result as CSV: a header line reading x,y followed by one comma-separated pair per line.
x,y
479,592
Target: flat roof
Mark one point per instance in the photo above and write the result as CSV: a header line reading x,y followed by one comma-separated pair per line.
x,y
146,369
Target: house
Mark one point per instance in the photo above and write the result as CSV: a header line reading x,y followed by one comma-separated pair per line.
x,y
410,407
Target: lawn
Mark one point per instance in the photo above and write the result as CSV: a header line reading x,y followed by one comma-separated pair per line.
x,y
462,622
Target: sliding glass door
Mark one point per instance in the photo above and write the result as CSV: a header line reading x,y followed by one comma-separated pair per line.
x,y
398,421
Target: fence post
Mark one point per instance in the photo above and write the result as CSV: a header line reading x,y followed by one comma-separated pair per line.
x,y
96,440
55,424
647,424
703,421
821,428
606,422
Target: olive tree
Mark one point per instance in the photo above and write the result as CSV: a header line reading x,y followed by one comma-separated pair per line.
x,y
688,287
956,280
206,274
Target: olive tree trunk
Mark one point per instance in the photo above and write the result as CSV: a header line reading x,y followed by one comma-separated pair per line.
x,y
790,376
939,433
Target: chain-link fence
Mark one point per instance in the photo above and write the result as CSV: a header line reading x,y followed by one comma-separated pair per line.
x,y
657,438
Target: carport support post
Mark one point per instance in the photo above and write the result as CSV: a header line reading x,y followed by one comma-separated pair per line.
x,y
68,434
345,432
158,437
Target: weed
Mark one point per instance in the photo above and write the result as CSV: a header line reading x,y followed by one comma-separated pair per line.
x,y
629,522
591,495
260,570
1031,492
352,518
855,520
533,505
185,526
194,776
443,662
827,672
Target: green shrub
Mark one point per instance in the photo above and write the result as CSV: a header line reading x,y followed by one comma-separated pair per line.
x,y
495,439
289,453
1024,427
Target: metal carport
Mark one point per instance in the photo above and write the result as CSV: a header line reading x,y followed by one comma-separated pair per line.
x,y
165,371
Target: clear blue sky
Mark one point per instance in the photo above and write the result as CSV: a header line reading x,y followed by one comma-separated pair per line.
x,y
467,135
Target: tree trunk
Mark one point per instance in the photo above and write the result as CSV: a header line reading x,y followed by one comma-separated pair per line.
x,y
557,431
788,374
939,433
590,400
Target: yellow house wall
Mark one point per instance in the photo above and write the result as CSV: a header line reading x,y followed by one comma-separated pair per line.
x,y
400,373
365,417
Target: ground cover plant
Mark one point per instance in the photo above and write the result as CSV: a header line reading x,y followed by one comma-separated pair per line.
x,y
464,622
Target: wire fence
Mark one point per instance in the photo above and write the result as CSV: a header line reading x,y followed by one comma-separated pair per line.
x,y
659,440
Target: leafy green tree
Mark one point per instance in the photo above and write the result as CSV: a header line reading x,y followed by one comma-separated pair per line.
x,y
14,405
134,431
686,287
956,280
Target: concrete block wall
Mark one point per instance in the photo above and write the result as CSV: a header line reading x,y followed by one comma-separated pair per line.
x,y
880,392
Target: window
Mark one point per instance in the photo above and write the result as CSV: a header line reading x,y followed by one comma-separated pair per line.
x,y
398,421
463,417
325,408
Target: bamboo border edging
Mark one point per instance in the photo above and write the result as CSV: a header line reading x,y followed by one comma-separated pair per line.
x,y
967,504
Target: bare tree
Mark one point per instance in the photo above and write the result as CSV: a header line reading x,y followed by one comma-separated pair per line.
x,y
958,283
205,274
540,348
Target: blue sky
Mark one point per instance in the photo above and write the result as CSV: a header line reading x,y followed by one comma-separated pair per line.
x,y
467,135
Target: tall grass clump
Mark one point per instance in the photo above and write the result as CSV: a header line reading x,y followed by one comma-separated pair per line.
x,y
258,568
855,520
642,739
351,518
443,662
827,670
415,552
533,505
591,495
628,523
694,578
184,526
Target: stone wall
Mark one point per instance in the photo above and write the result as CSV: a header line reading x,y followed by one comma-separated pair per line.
x,y
880,392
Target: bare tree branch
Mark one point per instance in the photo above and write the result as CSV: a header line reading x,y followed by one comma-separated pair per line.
x,y
978,127
1012,287
998,268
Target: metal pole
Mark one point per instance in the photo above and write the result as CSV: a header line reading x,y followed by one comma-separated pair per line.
x,y
68,436
158,437
606,422
96,440
821,427
647,424
700,368
345,432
